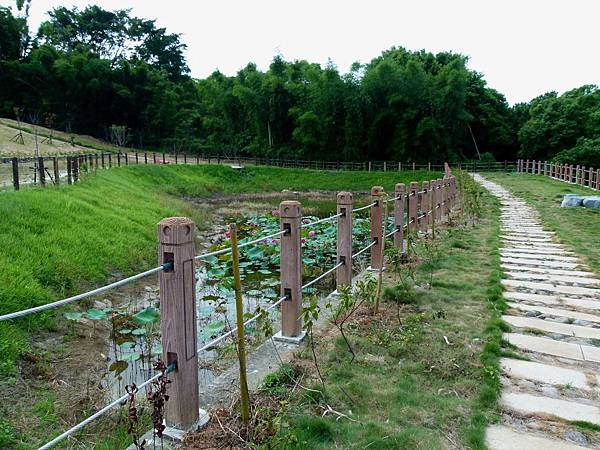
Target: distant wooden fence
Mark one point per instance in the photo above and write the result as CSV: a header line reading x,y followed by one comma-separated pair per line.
x,y
564,172
49,170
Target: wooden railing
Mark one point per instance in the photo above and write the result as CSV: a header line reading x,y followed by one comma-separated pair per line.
x,y
568,173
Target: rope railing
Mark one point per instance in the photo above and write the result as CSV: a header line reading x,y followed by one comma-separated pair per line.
x,y
362,208
360,252
326,219
245,244
323,275
75,298
101,412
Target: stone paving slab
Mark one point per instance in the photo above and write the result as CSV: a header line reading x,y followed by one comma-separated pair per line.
x,y
533,276
499,437
536,251
553,300
544,373
563,409
545,345
557,312
571,273
532,255
525,239
539,263
553,327
552,288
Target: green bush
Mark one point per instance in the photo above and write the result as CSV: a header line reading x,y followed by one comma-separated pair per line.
x,y
585,153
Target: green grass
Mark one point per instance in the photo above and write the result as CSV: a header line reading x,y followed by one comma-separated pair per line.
x,y
408,388
60,241
578,228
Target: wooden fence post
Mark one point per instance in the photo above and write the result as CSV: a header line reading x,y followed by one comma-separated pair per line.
x,y
69,170
369,166
598,179
41,170
412,206
109,160
56,171
424,206
291,272
119,159
414,167
400,192
164,157
343,275
96,167
178,318
145,158
582,178
545,168
376,226
15,172
438,200
154,157
75,168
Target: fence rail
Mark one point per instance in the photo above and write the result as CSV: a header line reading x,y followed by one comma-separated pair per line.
x,y
417,208
568,173
52,170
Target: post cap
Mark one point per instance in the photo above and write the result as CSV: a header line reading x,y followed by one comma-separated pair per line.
x,y
344,198
176,230
400,187
289,209
377,190
425,185
414,185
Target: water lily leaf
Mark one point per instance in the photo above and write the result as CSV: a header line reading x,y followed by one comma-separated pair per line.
x,y
118,367
125,331
148,315
215,327
131,357
139,332
254,292
127,345
157,350
211,260
264,271
95,314
73,316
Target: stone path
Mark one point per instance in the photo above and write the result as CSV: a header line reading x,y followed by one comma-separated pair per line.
x,y
554,314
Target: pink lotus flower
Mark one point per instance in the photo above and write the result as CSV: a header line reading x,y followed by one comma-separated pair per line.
x,y
275,212
227,234
305,221
303,241
312,233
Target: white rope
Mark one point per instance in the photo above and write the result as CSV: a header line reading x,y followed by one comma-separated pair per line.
x,y
245,244
364,207
393,199
94,416
323,275
326,219
392,232
246,323
66,301
364,249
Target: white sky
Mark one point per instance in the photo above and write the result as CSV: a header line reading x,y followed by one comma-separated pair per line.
x,y
524,48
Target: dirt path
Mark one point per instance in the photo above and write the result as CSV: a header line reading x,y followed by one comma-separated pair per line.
x,y
554,313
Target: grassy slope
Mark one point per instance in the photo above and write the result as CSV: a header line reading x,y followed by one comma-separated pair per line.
x,y
578,228
409,388
61,145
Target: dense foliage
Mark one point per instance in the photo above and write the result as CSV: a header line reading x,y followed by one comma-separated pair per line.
x,y
92,69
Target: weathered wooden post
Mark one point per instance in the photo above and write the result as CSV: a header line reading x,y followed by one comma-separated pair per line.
x,y
163,157
424,204
55,168
598,179
97,160
41,170
102,158
109,160
343,275
291,272
385,166
178,318
376,226
75,161
527,166
445,197
400,192
145,158
119,159
15,173
582,179
154,157
412,206
545,168
184,157
590,183
414,167
69,170
369,166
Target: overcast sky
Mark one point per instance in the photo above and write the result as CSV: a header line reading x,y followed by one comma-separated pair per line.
x,y
524,48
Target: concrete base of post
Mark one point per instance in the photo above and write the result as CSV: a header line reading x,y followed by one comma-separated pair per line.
x,y
175,435
297,340
371,269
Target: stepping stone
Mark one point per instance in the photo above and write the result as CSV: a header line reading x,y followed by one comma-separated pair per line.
x,y
537,251
553,327
545,345
562,409
591,353
573,273
499,437
557,312
535,276
544,245
538,263
543,256
544,373
554,288
525,239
